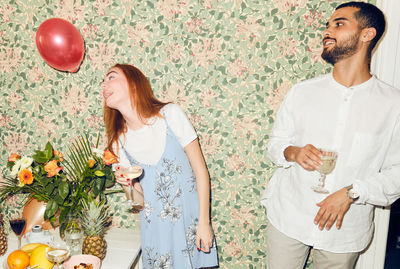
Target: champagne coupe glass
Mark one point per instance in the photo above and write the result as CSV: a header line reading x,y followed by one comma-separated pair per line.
x,y
57,252
131,173
328,164
18,226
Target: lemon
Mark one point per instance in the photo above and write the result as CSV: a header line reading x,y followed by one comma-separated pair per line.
x,y
28,248
38,258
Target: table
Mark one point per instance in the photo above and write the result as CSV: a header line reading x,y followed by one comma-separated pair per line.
x,y
123,248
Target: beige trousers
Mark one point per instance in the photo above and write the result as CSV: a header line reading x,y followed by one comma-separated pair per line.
x,y
284,252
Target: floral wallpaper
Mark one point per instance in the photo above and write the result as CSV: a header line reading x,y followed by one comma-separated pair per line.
x,y
228,63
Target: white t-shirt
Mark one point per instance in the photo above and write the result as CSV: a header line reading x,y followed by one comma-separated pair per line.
x,y
147,144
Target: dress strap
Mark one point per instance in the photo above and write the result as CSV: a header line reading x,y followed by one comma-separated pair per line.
x,y
169,131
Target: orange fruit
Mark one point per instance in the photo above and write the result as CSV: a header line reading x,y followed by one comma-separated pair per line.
x,y
18,259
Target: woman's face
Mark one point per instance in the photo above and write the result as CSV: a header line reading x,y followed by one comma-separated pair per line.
x,y
115,89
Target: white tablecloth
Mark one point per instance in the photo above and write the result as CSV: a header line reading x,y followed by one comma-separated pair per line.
x,y
123,248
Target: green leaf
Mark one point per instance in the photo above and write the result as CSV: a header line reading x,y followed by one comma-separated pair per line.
x,y
43,156
48,151
10,165
98,186
49,188
99,173
51,209
63,190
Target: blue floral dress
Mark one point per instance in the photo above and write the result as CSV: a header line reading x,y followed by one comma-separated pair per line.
x,y
168,222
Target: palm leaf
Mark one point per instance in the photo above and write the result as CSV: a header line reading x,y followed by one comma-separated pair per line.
x,y
77,158
8,187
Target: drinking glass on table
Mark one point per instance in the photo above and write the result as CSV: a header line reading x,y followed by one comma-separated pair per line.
x,y
129,174
18,226
328,164
57,252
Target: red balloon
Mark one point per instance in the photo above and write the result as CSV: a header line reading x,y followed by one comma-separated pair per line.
x,y
60,44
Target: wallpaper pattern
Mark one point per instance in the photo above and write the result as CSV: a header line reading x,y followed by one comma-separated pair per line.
x,y
228,63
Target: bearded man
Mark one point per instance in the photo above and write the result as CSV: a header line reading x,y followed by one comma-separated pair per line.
x,y
353,115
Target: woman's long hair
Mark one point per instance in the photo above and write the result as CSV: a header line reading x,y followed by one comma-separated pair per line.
x,y
142,98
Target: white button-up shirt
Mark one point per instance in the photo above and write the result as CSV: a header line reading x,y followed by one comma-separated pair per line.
x,y
362,124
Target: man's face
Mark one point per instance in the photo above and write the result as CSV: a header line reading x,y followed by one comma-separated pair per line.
x,y
341,37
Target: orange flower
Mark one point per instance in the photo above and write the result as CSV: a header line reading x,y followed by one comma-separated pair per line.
x,y
52,168
25,177
109,158
59,154
91,163
14,157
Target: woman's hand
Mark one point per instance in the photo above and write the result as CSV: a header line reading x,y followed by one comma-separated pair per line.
x,y
119,175
204,237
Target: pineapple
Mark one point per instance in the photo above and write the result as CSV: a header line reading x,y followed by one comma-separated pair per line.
x,y
3,237
95,219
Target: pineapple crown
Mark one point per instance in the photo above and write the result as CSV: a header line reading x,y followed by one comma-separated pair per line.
x,y
95,217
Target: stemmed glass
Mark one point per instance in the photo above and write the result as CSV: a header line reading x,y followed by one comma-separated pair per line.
x,y
328,164
18,226
57,252
130,173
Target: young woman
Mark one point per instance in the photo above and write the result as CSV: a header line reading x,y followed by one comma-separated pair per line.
x,y
141,130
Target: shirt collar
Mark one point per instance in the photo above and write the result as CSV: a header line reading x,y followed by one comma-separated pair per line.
x,y
364,85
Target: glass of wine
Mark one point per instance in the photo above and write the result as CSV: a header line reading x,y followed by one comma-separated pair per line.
x,y
328,164
131,173
18,226
57,252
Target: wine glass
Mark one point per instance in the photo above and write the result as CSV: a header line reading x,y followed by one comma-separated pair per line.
x,y
57,252
18,226
328,164
131,173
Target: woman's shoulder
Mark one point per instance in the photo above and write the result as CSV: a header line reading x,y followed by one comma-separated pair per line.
x,y
171,107
173,110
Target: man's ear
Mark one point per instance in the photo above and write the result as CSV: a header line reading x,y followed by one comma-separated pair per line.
x,y
368,34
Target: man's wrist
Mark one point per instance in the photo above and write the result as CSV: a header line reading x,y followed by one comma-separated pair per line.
x,y
351,193
289,153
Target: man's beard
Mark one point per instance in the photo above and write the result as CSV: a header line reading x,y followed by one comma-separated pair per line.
x,y
341,51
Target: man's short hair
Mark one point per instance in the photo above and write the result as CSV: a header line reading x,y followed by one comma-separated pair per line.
x,y
367,16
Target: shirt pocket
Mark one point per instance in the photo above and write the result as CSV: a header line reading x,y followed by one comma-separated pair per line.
x,y
363,149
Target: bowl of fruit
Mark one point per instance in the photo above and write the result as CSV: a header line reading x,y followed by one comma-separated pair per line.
x,y
31,255
82,261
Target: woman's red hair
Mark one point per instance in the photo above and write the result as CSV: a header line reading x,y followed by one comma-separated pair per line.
x,y
142,98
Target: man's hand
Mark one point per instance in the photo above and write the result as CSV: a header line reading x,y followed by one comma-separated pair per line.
x,y
308,157
332,209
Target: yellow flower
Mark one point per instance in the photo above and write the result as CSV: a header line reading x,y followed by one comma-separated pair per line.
x,y
25,177
59,154
109,158
52,168
91,163
14,157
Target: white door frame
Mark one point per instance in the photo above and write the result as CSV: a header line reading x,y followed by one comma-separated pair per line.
x,y
385,65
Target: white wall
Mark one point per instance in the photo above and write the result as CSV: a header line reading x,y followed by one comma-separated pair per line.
x,y
385,65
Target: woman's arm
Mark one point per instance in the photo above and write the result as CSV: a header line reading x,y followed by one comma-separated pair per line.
x,y
196,159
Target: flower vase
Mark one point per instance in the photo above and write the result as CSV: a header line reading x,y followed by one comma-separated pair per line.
x,y
72,233
33,212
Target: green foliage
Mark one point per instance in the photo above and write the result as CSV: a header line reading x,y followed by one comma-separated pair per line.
x,y
84,177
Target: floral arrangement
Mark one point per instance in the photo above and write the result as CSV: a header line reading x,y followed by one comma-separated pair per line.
x,y
61,181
